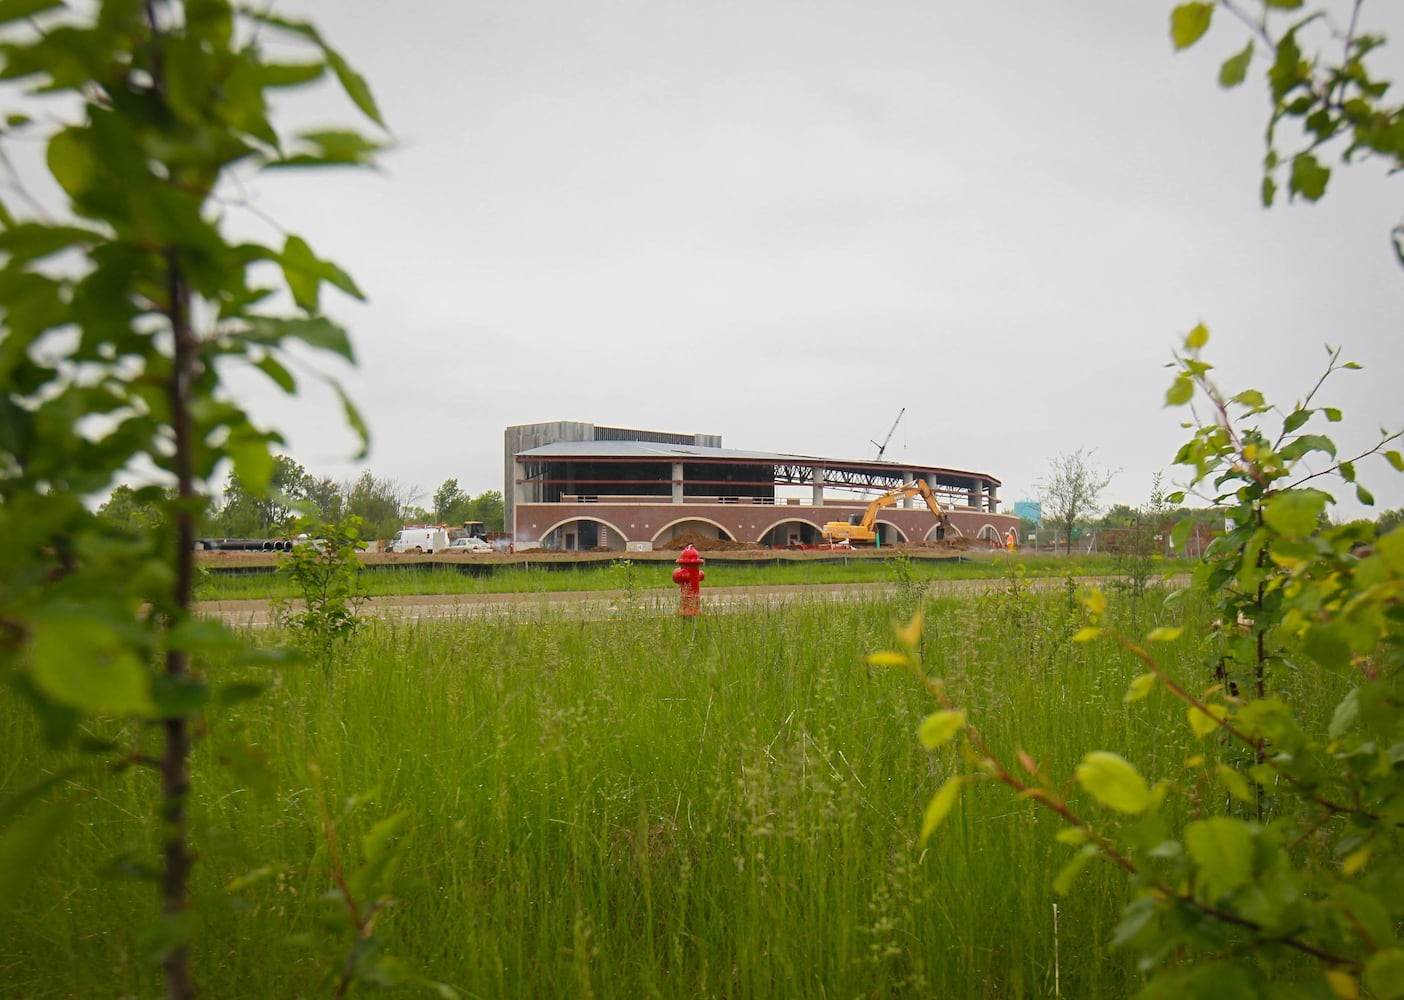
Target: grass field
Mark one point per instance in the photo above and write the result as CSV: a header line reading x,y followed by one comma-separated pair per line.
x,y
649,806
469,576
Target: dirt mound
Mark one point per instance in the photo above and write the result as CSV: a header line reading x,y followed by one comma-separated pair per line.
x,y
702,543
950,542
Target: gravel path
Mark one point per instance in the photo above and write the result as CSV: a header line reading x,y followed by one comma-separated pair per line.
x,y
603,603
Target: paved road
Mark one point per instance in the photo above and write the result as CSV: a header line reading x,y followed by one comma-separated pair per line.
x,y
605,603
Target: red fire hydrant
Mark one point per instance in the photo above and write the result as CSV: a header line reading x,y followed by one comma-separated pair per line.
x,y
689,576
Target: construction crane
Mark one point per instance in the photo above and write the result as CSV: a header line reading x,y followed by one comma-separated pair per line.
x,y
883,447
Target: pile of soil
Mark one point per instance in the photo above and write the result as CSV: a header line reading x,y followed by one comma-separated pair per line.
x,y
950,542
703,544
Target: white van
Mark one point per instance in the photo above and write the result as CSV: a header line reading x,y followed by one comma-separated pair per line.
x,y
420,538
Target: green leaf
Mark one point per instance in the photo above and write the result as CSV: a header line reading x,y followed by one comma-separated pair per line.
x,y
1165,633
1181,391
1223,851
1347,711
1362,914
277,372
1295,513
24,843
1308,177
33,241
355,86
1236,784
1205,722
1325,643
1235,68
377,841
253,462
304,272
354,419
238,691
1332,414
1114,782
1086,634
84,662
1067,875
1395,460
300,270
314,331
940,805
939,728
1304,444
331,148
1189,22
1140,687
289,74
14,10
1384,974
1364,496
1197,337
71,163
1295,419
178,697
1138,913
1284,4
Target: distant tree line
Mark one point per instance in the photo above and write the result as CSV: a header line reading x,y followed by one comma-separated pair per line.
x,y
1070,495
384,505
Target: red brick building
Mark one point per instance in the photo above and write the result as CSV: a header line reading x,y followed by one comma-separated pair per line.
x,y
573,485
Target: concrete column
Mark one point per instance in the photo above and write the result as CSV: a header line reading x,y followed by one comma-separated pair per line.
x,y
908,502
519,495
992,491
818,481
677,482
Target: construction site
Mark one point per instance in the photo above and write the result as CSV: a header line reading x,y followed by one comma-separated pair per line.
x,y
572,486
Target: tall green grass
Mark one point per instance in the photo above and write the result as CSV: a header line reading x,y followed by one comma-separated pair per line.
x,y
645,806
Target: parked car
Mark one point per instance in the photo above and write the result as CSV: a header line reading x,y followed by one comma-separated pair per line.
x,y
469,545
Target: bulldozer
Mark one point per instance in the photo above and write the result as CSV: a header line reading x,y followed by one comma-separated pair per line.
x,y
861,529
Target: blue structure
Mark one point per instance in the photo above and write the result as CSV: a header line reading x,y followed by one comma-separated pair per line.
x,y
1029,510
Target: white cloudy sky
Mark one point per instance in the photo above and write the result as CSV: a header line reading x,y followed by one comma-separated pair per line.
x,y
784,221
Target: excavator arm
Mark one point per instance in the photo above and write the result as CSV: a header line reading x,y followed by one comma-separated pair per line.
x,y
886,500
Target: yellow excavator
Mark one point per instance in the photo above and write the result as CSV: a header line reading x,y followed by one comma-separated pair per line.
x,y
861,529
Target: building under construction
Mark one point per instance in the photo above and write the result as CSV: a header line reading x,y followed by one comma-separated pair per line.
x,y
580,486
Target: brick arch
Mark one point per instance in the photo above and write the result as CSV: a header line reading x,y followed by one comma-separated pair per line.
x,y
894,529
582,517
990,533
952,529
726,532
787,520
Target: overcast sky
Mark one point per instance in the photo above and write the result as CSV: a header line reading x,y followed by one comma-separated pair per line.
x,y
783,222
